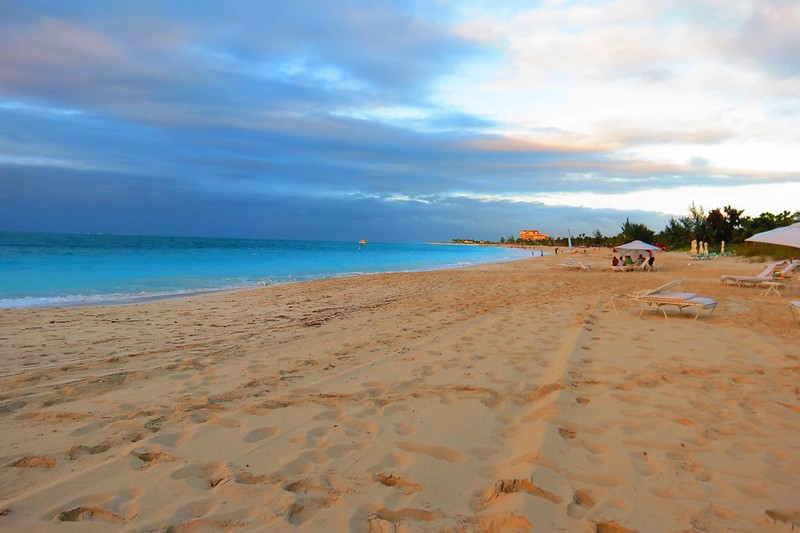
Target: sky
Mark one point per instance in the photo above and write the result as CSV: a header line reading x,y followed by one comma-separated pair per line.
x,y
394,120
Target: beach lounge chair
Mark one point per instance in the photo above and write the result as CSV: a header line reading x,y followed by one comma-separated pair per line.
x,y
644,266
795,308
641,267
633,296
622,268
753,281
659,299
784,280
571,263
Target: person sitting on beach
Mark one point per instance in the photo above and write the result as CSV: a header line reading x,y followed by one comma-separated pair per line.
x,y
615,261
640,260
628,260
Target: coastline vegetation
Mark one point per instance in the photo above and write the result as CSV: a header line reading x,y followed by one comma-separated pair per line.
x,y
727,224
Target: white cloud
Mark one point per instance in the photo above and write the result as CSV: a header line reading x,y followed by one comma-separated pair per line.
x,y
589,70
753,199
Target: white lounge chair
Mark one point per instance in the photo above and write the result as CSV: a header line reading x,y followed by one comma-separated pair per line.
x,y
680,300
644,266
795,307
753,281
571,263
634,296
623,268
658,299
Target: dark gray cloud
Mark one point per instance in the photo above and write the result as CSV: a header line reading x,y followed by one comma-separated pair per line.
x,y
81,201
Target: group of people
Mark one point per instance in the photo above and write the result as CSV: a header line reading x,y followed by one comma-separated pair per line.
x,y
628,261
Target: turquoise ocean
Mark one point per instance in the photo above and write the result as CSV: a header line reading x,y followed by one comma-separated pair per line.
x,y
52,269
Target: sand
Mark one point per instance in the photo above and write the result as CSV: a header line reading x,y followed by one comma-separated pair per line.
x,y
504,397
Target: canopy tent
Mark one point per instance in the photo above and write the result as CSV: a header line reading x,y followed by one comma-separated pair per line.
x,y
785,236
638,246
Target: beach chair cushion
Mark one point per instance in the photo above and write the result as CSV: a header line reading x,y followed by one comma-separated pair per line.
x,y
660,301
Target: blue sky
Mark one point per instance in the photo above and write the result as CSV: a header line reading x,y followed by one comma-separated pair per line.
x,y
394,120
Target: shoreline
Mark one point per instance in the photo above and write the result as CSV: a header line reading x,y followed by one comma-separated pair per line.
x,y
82,300
496,397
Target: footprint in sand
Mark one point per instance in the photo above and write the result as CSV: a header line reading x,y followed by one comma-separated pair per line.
x,y
246,478
393,460
331,414
338,450
595,447
315,457
150,458
312,497
485,454
260,434
437,452
512,486
204,476
645,464
77,451
396,408
196,509
395,481
612,527
405,429
567,433
85,430
111,508
174,440
227,422
89,512
34,461
355,426
297,467
581,502
381,519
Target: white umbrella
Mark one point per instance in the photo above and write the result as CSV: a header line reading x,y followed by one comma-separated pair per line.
x,y
638,246
785,236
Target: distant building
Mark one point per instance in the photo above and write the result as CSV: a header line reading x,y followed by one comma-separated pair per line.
x,y
532,235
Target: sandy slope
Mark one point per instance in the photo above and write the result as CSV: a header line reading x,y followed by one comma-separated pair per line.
x,y
498,398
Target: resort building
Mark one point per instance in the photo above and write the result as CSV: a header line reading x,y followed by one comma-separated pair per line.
x,y
532,235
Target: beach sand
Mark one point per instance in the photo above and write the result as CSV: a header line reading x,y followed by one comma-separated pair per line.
x,y
504,397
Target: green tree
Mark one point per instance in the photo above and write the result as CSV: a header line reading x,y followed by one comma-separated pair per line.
x,y
699,226
718,228
632,231
677,233
766,222
734,217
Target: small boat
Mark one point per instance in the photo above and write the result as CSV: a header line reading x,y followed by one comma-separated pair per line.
x,y
362,241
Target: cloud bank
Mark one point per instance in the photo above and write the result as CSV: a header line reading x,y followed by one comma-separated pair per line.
x,y
393,120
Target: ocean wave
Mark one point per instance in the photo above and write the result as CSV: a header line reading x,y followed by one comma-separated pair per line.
x,y
86,299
